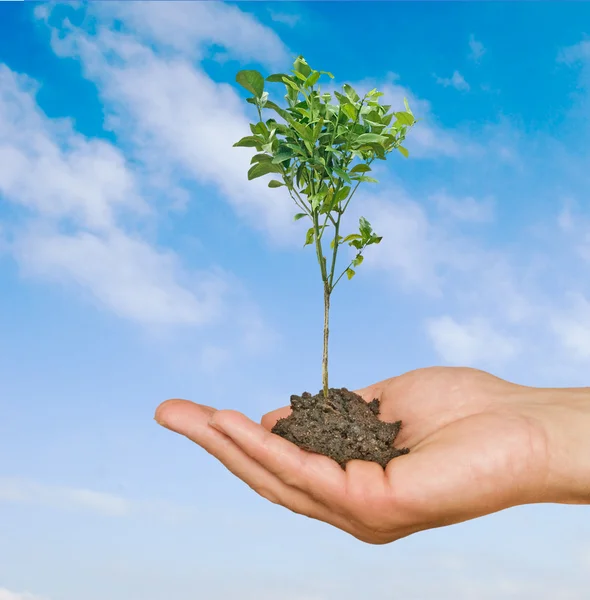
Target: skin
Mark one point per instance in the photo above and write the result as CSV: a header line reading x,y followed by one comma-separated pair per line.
x,y
478,445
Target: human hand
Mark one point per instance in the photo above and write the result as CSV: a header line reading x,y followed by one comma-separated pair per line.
x,y
478,444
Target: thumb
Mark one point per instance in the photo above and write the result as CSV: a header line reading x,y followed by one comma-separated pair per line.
x,y
269,419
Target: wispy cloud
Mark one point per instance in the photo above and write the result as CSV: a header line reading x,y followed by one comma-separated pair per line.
x,y
290,19
87,184
173,118
572,327
464,209
69,498
575,53
476,49
66,498
8,595
475,341
429,139
456,81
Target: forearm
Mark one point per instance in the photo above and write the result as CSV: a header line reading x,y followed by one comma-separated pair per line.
x,y
566,417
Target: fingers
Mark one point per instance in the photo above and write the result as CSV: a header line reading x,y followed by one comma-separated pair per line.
x,y
370,392
192,420
269,420
318,476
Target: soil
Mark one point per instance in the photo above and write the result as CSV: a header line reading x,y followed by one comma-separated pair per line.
x,y
343,427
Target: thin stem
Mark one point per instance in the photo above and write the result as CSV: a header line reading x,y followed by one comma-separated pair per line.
x,y
326,338
322,261
335,252
348,267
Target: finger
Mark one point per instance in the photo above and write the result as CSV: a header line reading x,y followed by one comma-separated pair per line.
x,y
370,392
318,476
191,420
269,420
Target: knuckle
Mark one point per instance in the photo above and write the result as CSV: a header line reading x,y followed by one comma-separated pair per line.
x,y
268,494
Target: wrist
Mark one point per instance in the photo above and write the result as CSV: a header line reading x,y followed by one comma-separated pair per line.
x,y
565,414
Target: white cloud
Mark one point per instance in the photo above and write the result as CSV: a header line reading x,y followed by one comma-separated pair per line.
x,y
192,27
572,328
8,595
464,209
576,227
123,273
427,139
456,81
85,187
575,53
172,116
414,250
85,180
289,19
477,49
66,498
473,342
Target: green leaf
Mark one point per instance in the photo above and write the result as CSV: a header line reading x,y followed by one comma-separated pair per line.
x,y
350,273
309,236
278,110
361,168
252,81
343,193
405,118
317,129
312,79
277,77
273,183
291,84
300,66
328,74
300,76
303,131
349,91
342,174
376,239
385,119
299,216
375,94
296,149
368,138
341,98
249,142
407,106
404,151
260,169
316,199
333,242
281,157
358,260
352,236
365,179
350,111
258,158
365,228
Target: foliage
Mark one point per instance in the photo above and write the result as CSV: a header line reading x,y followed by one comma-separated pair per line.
x,y
321,151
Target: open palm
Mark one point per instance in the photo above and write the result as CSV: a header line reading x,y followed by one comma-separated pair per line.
x,y
476,446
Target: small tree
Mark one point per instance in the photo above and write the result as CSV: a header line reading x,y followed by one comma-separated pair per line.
x,y
322,153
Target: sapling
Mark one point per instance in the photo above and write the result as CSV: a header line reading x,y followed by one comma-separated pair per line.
x,y
321,152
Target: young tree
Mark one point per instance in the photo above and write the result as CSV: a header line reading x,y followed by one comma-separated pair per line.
x,y
322,152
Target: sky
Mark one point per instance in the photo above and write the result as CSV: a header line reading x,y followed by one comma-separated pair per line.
x,y
137,263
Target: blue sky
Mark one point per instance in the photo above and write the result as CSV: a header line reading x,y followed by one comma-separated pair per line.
x,y
138,264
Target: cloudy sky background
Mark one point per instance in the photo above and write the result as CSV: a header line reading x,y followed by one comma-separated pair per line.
x,y
137,264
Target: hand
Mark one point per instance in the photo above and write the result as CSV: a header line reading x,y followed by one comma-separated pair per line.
x,y
478,444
